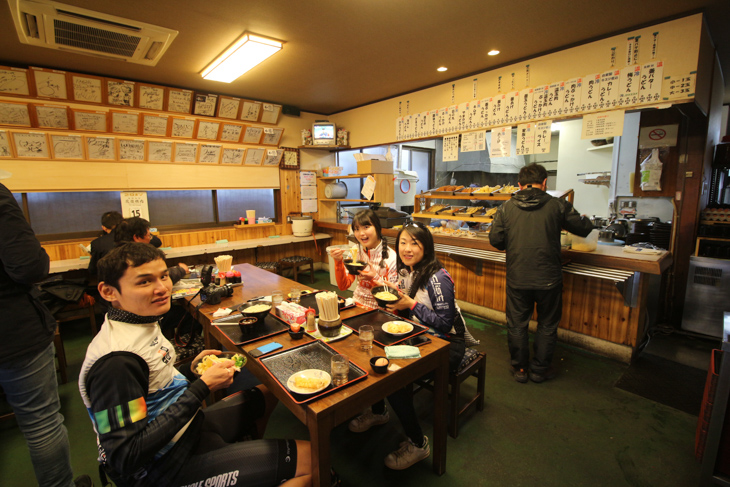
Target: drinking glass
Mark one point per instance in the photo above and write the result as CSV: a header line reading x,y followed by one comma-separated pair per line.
x,y
340,368
295,294
366,338
276,298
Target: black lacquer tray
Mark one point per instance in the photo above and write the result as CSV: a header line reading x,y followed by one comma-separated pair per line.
x,y
310,301
376,318
228,325
312,355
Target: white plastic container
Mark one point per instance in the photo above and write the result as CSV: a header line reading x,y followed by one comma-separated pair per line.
x,y
588,244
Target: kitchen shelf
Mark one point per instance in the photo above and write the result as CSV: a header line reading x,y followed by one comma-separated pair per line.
x,y
479,219
600,179
327,208
600,147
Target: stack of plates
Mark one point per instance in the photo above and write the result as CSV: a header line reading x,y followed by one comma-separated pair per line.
x,y
633,238
660,234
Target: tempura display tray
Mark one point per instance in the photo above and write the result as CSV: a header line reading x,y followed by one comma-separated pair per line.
x,y
228,325
376,318
312,355
310,301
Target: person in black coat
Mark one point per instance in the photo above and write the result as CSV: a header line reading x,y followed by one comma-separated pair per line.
x,y
528,227
104,244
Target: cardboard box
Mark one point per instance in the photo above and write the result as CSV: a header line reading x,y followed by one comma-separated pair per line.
x,y
372,166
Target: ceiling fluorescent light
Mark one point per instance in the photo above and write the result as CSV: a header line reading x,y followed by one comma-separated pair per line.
x,y
244,54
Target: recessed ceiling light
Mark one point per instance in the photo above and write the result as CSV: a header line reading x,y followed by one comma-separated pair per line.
x,y
493,52
442,68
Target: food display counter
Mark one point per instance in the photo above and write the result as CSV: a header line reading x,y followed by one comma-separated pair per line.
x,y
605,292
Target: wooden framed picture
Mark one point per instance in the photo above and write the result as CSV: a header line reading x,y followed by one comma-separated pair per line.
x,y
207,130
252,135
120,92
205,104
49,83
124,122
100,148
270,113
13,113
52,116
159,151
67,147
5,150
151,97
185,152
14,81
254,157
272,136
231,132
90,121
131,150
85,88
182,127
31,145
179,101
228,107
210,154
290,160
273,157
233,155
153,124
250,111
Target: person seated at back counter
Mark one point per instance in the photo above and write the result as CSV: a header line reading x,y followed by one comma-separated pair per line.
x,y
105,243
150,425
137,229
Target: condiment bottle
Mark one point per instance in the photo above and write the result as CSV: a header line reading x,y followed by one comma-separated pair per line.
x,y
311,326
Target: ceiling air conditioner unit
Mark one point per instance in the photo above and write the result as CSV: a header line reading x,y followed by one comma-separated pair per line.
x,y
57,26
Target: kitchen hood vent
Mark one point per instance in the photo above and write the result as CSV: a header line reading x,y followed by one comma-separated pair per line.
x,y
54,25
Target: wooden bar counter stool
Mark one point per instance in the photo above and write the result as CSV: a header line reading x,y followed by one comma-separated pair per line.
x,y
274,267
295,261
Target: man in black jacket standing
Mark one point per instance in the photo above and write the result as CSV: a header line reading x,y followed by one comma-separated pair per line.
x,y
27,367
528,227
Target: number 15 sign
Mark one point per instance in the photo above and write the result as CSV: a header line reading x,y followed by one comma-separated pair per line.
x,y
135,204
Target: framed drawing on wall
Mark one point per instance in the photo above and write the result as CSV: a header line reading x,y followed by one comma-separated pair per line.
x,y
180,101
186,152
207,130
233,156
150,96
273,157
14,81
31,145
272,136
90,121
250,111
252,135
67,147
120,92
13,113
231,132
270,113
125,122
5,150
51,116
100,148
210,154
159,151
254,157
85,88
155,124
131,149
228,107
182,127
49,83
205,104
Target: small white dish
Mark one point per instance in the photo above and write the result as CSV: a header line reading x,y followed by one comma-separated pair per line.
x,y
386,327
309,374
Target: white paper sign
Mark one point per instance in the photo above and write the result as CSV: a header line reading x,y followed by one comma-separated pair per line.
x,y
368,187
308,192
309,206
134,204
602,125
308,178
525,139
650,86
542,136
451,148
473,141
501,142
658,136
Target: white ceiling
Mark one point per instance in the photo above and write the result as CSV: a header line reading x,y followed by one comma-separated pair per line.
x,y
341,54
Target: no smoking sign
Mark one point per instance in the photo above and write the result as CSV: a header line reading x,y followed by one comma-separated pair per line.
x,y
658,136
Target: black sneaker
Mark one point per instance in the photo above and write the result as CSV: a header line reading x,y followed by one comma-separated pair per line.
x,y
83,481
538,378
520,375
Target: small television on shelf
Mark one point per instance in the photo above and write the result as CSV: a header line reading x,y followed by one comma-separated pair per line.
x,y
324,133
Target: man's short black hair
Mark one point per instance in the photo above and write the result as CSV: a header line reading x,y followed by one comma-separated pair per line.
x,y
111,219
132,254
532,174
129,228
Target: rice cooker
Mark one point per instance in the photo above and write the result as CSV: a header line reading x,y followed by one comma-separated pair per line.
x,y
301,226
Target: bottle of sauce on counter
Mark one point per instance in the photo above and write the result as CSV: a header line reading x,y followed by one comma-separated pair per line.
x,y
311,326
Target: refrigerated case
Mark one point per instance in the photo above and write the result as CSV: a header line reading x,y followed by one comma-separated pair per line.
x,y
708,287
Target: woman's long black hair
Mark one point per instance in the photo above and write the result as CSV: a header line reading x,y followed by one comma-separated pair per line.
x,y
368,217
429,265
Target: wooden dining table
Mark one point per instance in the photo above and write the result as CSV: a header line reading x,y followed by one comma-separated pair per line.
x,y
321,415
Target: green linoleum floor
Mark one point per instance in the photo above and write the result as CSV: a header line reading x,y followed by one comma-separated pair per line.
x,y
577,430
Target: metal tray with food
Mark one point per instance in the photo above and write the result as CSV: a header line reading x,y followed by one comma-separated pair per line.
x,y
446,190
485,190
506,189
433,209
471,211
452,210
465,191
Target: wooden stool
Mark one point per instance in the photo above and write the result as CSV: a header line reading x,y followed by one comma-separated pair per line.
x,y
476,366
269,266
83,309
295,261
61,354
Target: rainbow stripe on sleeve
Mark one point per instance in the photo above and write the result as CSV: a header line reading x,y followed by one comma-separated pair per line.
x,y
119,416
